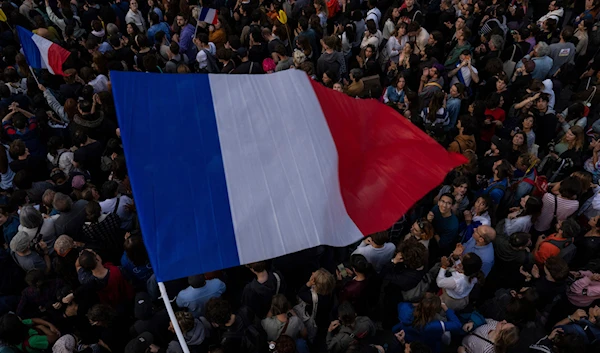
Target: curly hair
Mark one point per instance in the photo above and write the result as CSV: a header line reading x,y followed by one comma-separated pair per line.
x,y
218,311
413,252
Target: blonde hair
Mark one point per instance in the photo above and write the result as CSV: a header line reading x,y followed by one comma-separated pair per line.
x,y
579,137
324,282
185,320
506,339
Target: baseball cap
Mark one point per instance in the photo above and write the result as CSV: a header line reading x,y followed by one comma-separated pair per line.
x,y
139,344
142,309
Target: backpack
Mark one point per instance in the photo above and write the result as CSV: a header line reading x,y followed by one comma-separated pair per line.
x,y
252,339
501,209
308,319
539,182
211,61
567,248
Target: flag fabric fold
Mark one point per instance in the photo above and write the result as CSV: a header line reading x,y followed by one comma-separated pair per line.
x,y
232,169
42,53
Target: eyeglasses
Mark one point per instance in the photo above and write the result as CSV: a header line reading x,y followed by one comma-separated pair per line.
x,y
445,202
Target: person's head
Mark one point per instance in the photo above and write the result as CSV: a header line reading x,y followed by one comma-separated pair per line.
x,y
414,253
185,319
280,305
570,188
62,203
102,315
435,37
556,269
446,202
531,206
324,282
400,82
569,228
413,29
133,5
471,265
5,213
12,330
89,260
63,245
426,310
401,30
567,33
457,90
422,229
356,74
574,138
527,122
284,344
541,49
519,141
110,189
18,150
182,20
484,235
585,178
409,3
20,243
359,264
542,102
502,169
482,204
380,238
496,42
460,185
338,87
218,312
30,217
507,335
257,267
370,51
135,249
519,240
464,34
467,124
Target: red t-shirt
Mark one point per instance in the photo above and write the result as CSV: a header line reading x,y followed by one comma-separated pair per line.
x,y
488,130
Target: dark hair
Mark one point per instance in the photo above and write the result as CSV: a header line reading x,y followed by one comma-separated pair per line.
x,y
103,314
153,16
567,33
504,169
522,308
12,330
570,228
360,264
519,239
557,267
87,260
285,344
380,238
493,101
458,181
22,180
472,266
448,195
347,314
533,207
570,187
259,266
469,124
92,211
135,250
414,253
109,189
218,311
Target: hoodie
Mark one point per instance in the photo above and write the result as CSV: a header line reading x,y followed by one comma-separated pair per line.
x,y
462,143
339,342
334,61
193,337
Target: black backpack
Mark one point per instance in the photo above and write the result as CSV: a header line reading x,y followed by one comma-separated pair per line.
x,y
251,339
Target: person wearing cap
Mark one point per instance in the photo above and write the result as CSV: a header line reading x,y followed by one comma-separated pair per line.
x,y
151,321
247,66
200,291
34,224
143,343
27,259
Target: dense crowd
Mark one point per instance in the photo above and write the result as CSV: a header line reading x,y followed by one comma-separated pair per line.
x,y
503,257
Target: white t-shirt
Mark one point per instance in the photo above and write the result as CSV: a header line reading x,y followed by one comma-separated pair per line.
x,y
457,286
466,74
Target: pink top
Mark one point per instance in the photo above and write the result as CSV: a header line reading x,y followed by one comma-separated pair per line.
x,y
565,209
584,291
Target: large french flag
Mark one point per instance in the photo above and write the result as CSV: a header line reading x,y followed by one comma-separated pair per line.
x,y
42,53
232,169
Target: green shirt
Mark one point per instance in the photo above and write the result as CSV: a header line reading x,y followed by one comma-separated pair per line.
x,y
35,342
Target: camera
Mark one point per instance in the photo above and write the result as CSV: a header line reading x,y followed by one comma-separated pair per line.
x,y
551,146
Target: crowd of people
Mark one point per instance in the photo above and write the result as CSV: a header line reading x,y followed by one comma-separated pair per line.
x,y
504,256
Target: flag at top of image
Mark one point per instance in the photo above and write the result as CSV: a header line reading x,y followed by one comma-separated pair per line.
x,y
208,15
42,53
232,169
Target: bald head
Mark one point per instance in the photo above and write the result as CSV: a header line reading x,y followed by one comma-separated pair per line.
x,y
484,235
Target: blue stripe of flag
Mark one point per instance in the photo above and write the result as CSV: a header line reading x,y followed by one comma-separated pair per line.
x,y
203,13
176,173
30,49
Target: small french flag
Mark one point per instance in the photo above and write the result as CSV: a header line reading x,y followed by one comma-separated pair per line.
x,y
233,169
208,15
42,53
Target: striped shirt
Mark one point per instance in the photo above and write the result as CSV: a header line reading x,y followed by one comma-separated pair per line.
x,y
474,344
564,209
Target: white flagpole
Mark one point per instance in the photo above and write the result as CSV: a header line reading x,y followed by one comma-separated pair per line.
x,y
165,297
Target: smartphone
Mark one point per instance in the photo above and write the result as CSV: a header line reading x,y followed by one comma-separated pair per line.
x,y
343,271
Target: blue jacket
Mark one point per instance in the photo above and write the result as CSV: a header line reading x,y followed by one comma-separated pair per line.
x,y
157,28
496,190
431,334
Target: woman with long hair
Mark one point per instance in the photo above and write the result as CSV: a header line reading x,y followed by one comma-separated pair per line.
x,y
570,147
492,337
463,277
390,22
396,43
435,116
282,320
424,321
522,217
527,127
322,12
518,147
395,94
218,32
